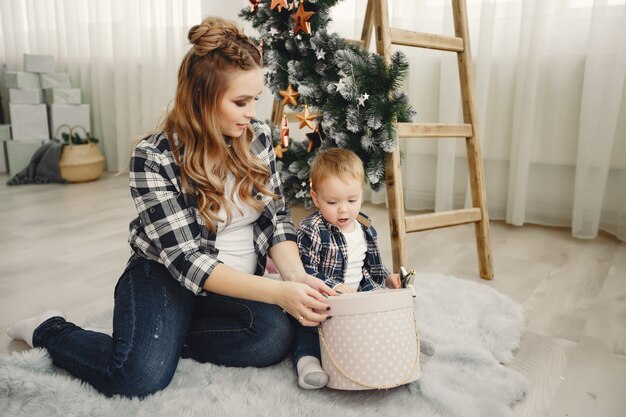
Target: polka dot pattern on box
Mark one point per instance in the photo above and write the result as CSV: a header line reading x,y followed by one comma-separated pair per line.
x,y
367,351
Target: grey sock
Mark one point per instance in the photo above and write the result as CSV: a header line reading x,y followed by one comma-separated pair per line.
x,y
310,373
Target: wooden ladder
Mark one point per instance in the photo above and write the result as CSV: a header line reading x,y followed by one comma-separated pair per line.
x,y
377,16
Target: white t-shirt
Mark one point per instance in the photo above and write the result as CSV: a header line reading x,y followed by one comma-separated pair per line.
x,y
235,241
357,249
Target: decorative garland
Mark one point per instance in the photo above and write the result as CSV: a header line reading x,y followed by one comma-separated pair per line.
x,y
355,94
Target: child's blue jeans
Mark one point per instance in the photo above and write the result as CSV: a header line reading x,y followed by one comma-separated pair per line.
x,y
155,322
306,341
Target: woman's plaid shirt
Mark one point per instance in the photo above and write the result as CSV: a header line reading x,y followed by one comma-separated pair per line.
x,y
324,252
169,228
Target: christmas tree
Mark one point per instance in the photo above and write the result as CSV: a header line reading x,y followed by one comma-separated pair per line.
x,y
353,96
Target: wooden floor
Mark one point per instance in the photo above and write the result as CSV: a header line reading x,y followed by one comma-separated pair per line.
x,y
64,246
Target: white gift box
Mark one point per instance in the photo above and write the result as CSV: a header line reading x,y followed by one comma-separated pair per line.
x,y
29,121
55,80
38,63
19,154
29,96
70,115
5,132
63,96
20,79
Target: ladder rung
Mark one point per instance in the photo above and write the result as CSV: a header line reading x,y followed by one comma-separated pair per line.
x,y
434,130
426,40
442,219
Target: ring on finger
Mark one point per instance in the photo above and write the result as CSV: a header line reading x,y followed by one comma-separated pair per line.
x,y
301,317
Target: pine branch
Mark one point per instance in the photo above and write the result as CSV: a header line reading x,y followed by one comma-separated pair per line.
x,y
357,94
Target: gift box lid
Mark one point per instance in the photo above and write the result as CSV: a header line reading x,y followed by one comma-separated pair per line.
x,y
38,63
370,302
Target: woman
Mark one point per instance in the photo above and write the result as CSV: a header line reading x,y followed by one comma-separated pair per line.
x,y
210,211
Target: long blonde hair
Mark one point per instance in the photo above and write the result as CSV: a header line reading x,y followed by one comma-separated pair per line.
x,y
219,49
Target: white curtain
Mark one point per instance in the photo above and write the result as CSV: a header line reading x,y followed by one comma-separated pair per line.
x,y
124,55
549,88
549,77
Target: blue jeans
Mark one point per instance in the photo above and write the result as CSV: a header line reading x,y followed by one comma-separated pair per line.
x,y
155,322
306,341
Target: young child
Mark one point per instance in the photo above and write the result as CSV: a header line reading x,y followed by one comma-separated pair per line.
x,y
337,245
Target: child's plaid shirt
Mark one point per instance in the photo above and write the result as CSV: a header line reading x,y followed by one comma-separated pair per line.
x,y
169,228
324,252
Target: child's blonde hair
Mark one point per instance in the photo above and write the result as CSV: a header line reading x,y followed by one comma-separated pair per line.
x,y
337,162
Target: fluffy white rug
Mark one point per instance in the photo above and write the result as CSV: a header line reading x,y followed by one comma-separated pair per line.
x,y
474,330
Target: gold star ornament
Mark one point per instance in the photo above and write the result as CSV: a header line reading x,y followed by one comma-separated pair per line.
x,y
301,20
306,118
279,151
289,96
281,4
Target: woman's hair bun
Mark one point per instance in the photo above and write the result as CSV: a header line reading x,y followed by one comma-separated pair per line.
x,y
212,34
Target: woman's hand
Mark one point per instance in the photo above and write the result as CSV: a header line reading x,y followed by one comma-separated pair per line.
x,y
303,302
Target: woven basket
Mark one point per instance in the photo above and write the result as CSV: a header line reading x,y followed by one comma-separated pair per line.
x,y
80,163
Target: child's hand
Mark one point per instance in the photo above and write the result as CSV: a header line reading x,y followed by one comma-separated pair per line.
x,y
393,281
316,284
343,289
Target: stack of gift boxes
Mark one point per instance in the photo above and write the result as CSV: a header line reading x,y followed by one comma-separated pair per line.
x,y
40,100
